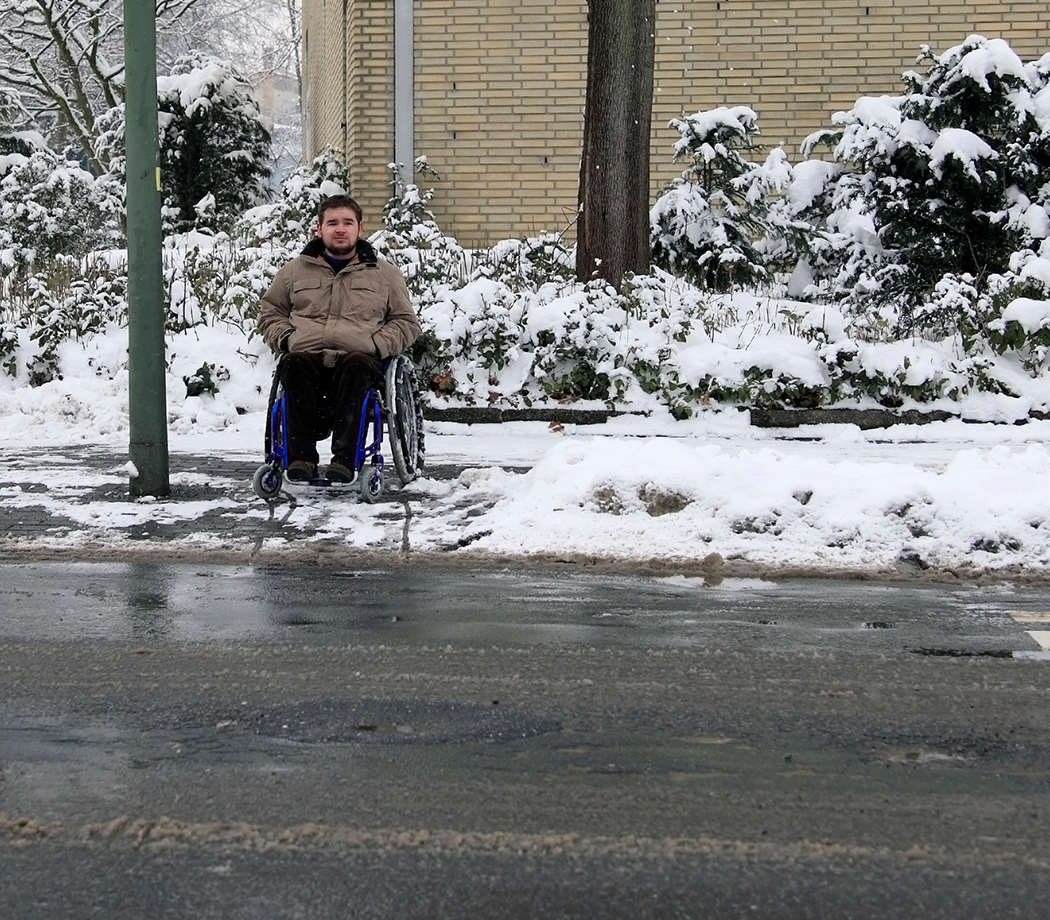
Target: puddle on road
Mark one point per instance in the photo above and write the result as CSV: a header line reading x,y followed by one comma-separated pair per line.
x,y
150,603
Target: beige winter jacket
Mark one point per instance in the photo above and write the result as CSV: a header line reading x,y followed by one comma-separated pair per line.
x,y
365,307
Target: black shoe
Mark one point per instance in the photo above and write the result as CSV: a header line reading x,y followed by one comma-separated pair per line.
x,y
301,471
339,471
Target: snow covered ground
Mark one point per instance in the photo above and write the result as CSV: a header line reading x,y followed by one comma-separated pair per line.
x,y
948,497
970,499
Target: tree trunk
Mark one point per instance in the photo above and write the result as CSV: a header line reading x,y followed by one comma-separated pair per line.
x,y
613,229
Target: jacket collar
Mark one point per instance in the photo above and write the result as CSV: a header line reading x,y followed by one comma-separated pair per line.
x,y
365,251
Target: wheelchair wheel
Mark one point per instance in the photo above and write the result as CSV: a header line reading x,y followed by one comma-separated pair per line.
x,y
404,415
267,481
371,480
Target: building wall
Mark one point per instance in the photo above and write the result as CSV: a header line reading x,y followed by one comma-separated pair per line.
x,y
499,86
500,93
370,139
324,75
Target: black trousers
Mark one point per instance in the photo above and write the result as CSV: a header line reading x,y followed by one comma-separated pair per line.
x,y
320,398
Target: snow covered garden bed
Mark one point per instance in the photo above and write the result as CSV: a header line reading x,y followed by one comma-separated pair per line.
x,y
909,268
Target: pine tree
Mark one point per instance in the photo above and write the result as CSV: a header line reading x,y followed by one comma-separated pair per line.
x,y
214,142
705,224
946,174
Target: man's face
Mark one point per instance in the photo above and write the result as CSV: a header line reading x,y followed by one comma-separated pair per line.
x,y
339,229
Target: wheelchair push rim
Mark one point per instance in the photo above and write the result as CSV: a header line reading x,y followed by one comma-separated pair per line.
x,y
404,419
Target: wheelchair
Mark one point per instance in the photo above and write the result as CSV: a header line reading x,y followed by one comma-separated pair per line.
x,y
397,408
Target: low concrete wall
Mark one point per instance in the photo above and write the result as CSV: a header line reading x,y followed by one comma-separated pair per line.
x,y
760,418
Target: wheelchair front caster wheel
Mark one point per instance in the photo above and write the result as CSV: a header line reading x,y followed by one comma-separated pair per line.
x,y
371,479
267,481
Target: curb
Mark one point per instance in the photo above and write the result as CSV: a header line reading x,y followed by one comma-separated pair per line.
x,y
865,419
760,418
487,415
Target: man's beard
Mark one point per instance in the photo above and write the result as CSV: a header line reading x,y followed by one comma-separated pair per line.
x,y
340,251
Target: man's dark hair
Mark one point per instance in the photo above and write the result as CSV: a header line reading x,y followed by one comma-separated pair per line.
x,y
339,201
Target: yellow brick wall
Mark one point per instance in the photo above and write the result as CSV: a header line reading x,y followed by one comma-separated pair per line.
x,y
370,146
499,86
499,113
324,71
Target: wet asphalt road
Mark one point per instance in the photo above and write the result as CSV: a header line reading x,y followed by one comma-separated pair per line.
x,y
410,741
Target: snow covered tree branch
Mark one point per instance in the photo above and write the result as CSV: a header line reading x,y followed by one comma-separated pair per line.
x,y
63,59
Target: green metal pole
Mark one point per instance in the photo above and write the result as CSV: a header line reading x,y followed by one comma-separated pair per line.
x,y
147,401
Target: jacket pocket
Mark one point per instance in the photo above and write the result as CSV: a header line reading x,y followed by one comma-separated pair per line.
x,y
309,297
368,294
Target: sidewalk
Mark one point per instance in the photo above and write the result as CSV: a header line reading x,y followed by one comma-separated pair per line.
x,y
74,502
947,499
53,500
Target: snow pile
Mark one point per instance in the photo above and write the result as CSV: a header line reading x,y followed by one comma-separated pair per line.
x,y
658,499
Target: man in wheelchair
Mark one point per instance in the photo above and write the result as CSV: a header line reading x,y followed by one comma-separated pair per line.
x,y
333,313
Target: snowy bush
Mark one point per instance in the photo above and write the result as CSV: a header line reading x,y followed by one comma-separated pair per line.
x,y
74,300
1023,328
704,226
527,264
47,207
208,280
573,339
661,315
510,326
431,262
215,145
51,285
945,181
288,222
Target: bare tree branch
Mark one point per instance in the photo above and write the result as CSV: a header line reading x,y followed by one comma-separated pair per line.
x,y
66,57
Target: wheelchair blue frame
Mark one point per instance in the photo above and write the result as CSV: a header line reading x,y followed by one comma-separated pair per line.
x,y
404,419
371,413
